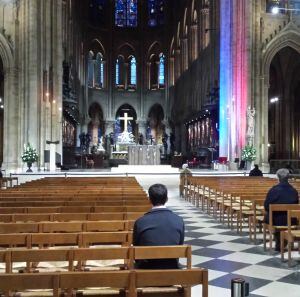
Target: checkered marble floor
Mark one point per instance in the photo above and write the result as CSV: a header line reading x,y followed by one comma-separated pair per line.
x,y
228,255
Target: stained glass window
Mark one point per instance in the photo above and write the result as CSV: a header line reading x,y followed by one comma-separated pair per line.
x,y
161,74
155,12
91,70
133,71
99,71
126,13
117,72
120,71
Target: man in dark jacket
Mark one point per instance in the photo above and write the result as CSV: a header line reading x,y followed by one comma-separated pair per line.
x,y
282,193
160,226
255,171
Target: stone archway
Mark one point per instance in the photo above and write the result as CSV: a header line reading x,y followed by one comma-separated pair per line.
x,y
155,118
284,105
288,37
96,125
132,124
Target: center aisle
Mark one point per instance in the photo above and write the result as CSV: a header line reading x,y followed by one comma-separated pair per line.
x,y
226,254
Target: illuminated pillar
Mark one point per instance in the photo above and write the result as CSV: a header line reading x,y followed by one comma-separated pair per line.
x,y
234,76
225,75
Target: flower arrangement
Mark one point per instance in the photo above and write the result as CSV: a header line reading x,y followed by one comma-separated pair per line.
x,y
249,153
29,155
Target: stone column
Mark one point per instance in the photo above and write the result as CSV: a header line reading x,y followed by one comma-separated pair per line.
x,y
126,76
109,127
172,72
184,53
177,64
12,148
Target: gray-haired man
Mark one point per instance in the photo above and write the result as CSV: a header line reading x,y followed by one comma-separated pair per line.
x,y
282,193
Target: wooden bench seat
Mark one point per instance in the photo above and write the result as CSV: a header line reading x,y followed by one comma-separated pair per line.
x,y
131,281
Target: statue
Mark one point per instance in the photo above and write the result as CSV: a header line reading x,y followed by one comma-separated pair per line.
x,y
111,138
251,121
141,139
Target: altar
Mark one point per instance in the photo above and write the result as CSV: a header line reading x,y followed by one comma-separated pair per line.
x,y
143,155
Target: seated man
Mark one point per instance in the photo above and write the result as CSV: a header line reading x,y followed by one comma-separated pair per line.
x,y
282,193
255,171
160,226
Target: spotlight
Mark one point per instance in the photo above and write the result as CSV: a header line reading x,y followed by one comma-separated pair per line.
x,y
275,10
1,106
274,100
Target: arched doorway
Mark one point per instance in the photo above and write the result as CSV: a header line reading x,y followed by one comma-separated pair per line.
x,y
96,125
131,124
284,105
155,117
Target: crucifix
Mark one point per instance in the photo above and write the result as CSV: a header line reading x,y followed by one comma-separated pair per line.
x,y
126,119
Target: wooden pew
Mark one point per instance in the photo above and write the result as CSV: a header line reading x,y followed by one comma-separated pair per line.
x,y
127,255
128,281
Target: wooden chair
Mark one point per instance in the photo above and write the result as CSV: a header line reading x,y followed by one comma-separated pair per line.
x,y
270,228
21,282
291,235
167,278
256,219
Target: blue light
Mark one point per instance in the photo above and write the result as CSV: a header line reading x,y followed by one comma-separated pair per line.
x,y
225,74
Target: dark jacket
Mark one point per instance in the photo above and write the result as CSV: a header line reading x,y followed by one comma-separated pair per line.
x,y
282,193
255,172
158,227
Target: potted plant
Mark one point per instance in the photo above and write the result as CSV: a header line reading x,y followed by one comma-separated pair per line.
x,y
249,155
29,156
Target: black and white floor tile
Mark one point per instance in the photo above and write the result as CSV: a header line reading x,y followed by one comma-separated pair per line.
x,y
228,255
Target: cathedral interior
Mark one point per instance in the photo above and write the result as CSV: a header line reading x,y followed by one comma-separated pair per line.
x,y
186,73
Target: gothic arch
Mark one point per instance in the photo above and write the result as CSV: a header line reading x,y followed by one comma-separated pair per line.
x,y
96,126
288,37
96,105
154,48
156,117
6,53
126,50
125,103
97,46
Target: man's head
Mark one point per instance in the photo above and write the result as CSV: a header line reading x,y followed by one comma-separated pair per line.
x,y
256,166
283,174
158,194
